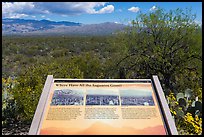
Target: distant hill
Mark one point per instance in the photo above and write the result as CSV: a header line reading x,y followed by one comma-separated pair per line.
x,y
46,27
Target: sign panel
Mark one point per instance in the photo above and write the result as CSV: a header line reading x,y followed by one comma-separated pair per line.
x,y
86,107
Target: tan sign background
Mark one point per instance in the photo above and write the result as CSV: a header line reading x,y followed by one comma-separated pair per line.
x,y
82,119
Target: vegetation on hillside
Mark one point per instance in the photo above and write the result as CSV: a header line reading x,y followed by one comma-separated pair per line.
x,y
168,44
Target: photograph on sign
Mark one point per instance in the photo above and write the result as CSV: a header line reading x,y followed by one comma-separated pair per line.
x,y
102,97
85,108
136,97
67,97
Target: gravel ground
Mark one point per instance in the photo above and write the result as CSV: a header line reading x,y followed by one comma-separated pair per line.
x,y
16,130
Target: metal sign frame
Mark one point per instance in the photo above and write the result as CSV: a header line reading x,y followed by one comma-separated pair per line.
x,y
168,119
165,112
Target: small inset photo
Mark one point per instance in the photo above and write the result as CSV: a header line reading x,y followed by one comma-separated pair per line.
x,y
137,97
102,97
67,97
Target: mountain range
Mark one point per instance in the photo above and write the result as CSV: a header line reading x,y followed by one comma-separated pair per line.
x,y
46,27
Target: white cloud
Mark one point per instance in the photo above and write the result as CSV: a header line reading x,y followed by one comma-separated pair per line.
x,y
15,10
18,16
20,9
153,8
69,8
134,9
107,9
129,22
198,22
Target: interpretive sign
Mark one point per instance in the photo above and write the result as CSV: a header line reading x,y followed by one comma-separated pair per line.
x,y
102,106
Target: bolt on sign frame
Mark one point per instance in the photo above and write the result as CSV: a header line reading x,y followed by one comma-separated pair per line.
x,y
40,125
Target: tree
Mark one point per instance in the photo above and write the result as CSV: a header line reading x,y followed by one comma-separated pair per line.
x,y
90,64
161,43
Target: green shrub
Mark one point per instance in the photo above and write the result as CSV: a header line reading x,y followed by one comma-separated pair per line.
x,y
9,113
30,85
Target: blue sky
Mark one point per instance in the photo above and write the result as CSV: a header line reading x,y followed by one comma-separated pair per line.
x,y
91,12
